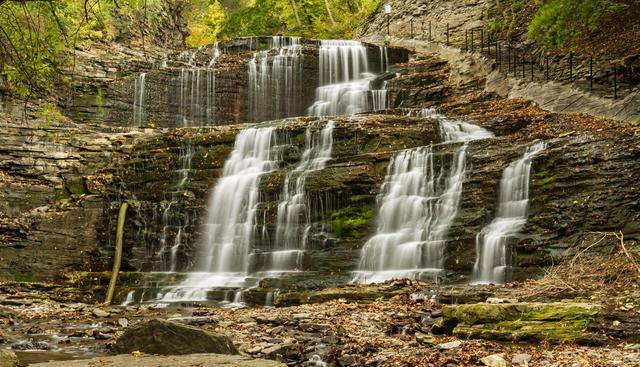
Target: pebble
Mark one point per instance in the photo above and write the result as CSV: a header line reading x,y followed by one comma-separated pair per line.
x,y
494,360
123,322
425,339
450,345
272,349
100,313
521,359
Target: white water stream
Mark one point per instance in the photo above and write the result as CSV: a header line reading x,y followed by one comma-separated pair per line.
x,y
513,200
417,206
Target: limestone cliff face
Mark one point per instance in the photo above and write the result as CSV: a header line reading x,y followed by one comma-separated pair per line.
x,y
187,88
62,184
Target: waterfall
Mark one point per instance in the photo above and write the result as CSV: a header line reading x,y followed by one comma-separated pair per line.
x,y
417,206
230,224
275,82
491,243
139,97
344,80
197,90
293,211
175,221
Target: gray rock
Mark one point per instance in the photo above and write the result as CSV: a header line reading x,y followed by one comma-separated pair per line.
x,y
494,360
425,339
272,349
168,338
30,345
208,360
8,359
123,322
347,360
100,313
450,345
521,359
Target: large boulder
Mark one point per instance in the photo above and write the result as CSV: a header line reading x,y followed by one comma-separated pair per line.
x,y
202,360
171,338
522,321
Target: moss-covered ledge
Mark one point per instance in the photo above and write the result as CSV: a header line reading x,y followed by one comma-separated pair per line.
x,y
523,321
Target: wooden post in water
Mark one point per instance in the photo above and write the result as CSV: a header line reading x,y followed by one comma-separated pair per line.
x,y
117,259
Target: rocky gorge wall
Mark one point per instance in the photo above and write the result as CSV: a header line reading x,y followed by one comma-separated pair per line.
x,y
583,182
187,89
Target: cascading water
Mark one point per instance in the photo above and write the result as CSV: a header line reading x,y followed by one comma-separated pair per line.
x,y
175,221
139,98
275,87
197,90
294,209
345,80
491,243
230,225
416,209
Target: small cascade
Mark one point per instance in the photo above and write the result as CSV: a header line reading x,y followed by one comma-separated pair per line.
x,y
491,243
230,228
275,81
417,206
345,80
196,92
139,98
174,220
294,210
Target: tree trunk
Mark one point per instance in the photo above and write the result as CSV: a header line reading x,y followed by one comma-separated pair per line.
x,y
295,12
117,259
326,5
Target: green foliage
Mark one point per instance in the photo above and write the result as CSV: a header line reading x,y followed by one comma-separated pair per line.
x,y
51,115
558,22
350,220
219,19
35,36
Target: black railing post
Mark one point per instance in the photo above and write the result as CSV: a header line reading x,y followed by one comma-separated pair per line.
x,y
546,67
388,24
498,53
481,39
591,72
523,67
411,28
509,57
429,30
423,32
466,40
531,56
570,66
472,34
447,34
615,81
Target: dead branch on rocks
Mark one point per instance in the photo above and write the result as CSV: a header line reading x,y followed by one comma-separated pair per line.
x,y
595,269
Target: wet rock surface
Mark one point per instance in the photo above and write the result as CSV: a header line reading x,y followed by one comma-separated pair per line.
x,y
170,338
203,360
400,330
